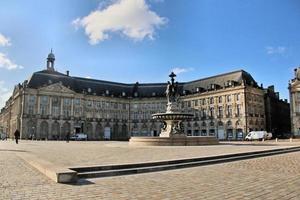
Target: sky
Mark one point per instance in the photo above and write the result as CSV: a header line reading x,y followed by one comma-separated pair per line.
x,y
144,40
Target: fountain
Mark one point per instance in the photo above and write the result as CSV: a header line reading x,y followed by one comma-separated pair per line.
x,y
172,133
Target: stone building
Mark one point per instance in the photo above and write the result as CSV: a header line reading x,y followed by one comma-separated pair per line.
x,y
50,104
278,120
294,89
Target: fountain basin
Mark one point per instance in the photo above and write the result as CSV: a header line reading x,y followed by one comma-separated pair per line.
x,y
172,116
174,141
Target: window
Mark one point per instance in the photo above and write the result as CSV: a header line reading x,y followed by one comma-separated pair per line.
x,y
211,112
189,104
203,113
32,99
220,99
238,97
55,106
44,105
228,98
31,109
298,95
98,104
220,111
211,100
203,102
229,110
195,102
44,100
238,110
67,107
77,102
67,101
89,104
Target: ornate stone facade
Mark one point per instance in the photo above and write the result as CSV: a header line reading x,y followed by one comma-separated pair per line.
x,y
294,88
50,104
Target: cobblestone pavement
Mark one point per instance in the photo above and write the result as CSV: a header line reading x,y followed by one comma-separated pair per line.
x,y
275,177
110,152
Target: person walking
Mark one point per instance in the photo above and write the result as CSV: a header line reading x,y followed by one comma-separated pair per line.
x,y
17,136
68,137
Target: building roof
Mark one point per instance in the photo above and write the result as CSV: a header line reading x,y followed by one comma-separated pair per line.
x,y
108,88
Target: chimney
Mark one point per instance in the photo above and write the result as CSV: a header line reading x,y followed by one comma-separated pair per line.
x,y
68,72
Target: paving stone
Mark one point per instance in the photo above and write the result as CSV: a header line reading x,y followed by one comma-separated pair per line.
x,y
275,177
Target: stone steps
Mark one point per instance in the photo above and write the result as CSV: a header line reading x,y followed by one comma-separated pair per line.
x,y
127,169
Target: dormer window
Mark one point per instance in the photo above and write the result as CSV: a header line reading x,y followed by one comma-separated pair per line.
x,y
153,94
135,94
107,92
89,90
123,94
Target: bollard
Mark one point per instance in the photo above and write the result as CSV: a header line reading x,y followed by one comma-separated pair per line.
x,y
291,139
276,139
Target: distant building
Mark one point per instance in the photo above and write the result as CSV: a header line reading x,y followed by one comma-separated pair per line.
x,y
50,104
278,120
294,88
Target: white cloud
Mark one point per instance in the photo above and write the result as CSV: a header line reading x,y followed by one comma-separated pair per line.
x,y
131,18
4,41
180,70
5,94
6,63
275,50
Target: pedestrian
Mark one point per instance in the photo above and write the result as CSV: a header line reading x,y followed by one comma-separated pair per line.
x,y
17,136
68,137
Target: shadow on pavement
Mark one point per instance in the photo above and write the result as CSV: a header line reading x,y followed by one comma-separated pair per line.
x,y
13,150
82,182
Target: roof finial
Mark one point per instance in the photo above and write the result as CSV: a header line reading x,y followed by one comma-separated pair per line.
x,y
51,49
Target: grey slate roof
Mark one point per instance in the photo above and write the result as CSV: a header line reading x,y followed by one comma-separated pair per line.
x,y
100,87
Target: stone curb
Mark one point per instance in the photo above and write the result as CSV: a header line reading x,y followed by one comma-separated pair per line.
x,y
56,173
134,168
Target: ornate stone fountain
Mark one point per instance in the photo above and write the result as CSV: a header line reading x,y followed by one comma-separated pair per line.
x,y
172,133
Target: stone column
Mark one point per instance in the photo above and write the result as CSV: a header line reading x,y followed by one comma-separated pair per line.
x,y
50,109
61,106
38,104
72,107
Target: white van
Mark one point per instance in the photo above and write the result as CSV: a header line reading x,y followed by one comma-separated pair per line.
x,y
258,135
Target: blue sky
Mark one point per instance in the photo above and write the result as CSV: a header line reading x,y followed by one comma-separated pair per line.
x,y
143,40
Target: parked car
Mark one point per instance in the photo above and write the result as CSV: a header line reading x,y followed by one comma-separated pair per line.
x,y
79,136
258,135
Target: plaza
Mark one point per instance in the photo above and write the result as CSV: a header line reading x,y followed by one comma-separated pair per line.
x,y
273,177
149,99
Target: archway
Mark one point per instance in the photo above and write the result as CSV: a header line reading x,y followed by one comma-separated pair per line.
x,y
89,131
99,132
124,132
55,131
66,129
221,132
31,130
44,130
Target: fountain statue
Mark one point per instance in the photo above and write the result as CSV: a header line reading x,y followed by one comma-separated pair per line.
x,y
173,117
172,132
